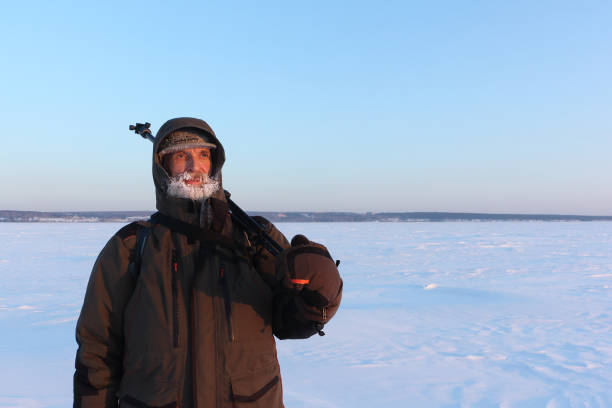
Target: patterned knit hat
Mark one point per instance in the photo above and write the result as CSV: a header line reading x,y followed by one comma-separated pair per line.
x,y
184,139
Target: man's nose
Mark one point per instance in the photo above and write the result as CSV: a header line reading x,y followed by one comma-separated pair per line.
x,y
189,165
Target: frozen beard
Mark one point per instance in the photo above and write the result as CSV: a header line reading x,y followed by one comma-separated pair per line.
x,y
197,192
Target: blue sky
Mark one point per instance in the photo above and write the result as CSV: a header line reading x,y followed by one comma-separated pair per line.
x,y
343,106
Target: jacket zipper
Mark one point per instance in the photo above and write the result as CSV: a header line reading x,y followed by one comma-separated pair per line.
x,y
228,301
175,319
194,349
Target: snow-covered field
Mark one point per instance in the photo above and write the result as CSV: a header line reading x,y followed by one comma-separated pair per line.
x,y
506,314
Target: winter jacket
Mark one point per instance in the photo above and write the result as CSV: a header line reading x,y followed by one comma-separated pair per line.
x,y
194,327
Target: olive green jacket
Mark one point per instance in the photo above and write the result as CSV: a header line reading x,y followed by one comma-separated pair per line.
x,y
195,326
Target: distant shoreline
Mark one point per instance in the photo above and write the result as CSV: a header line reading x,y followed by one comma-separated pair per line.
x,y
296,216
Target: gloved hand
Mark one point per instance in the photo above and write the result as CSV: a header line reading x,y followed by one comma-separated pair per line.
x,y
307,269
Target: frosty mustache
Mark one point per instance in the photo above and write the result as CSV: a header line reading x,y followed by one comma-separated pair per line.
x,y
177,187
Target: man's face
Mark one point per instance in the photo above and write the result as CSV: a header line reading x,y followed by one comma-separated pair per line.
x,y
195,161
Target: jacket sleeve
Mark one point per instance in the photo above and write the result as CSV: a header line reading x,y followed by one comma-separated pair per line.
x,y
299,310
99,330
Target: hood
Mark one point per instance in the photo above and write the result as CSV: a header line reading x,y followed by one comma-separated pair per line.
x,y
184,209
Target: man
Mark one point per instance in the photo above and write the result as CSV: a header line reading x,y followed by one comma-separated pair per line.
x,y
180,311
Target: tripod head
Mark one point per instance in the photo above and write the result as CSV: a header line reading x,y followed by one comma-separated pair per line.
x,y
143,130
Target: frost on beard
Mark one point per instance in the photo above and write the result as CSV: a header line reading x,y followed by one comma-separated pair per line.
x,y
197,192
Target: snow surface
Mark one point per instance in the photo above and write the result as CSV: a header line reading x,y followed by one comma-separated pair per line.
x,y
456,314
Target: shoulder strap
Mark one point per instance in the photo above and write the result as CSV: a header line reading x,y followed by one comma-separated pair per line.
x,y
142,234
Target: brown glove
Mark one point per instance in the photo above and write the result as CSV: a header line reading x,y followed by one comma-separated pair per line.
x,y
307,269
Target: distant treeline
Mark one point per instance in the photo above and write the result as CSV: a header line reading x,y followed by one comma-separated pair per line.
x,y
418,216
76,216
127,216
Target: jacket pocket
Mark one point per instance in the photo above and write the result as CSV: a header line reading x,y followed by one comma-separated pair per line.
x,y
128,401
261,388
149,379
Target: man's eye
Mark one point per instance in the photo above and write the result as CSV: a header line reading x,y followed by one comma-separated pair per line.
x,y
180,155
204,154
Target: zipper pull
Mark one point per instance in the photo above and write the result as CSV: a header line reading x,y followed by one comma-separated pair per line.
x,y
174,261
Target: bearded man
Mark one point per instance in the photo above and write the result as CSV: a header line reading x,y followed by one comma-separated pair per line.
x,y
181,310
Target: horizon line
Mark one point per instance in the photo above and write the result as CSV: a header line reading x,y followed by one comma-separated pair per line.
x,y
470,213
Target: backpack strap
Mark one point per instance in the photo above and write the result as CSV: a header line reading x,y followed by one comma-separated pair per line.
x,y
142,234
